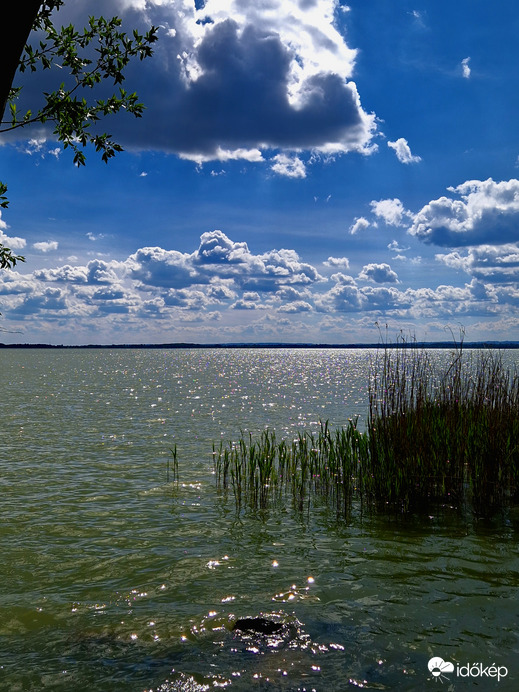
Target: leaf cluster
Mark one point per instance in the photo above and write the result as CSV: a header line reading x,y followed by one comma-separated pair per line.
x,y
98,53
8,259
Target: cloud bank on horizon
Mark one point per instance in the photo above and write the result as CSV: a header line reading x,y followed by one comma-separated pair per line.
x,y
250,93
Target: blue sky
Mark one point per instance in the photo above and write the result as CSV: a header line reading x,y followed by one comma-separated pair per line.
x,y
304,170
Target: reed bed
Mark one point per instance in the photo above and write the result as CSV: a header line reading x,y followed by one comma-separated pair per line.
x,y
448,436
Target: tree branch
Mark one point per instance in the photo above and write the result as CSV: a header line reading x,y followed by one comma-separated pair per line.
x,y
17,21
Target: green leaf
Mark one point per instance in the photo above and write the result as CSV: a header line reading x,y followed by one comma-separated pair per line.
x,y
101,51
4,202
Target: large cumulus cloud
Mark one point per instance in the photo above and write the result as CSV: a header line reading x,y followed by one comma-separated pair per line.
x,y
219,257
481,212
234,78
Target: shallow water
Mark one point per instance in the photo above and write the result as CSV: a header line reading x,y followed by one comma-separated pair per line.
x,y
112,578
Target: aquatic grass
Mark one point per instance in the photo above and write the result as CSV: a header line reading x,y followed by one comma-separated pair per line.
x,y
264,471
174,464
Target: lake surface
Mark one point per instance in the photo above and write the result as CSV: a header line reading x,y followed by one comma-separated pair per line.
x,y
113,579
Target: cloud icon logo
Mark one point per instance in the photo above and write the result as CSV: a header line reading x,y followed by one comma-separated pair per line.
x,y
437,666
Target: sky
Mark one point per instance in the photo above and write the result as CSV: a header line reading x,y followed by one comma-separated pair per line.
x,y
304,171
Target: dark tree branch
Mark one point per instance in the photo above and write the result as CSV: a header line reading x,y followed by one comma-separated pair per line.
x,y
17,21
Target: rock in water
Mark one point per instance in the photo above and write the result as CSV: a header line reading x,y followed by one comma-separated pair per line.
x,y
259,625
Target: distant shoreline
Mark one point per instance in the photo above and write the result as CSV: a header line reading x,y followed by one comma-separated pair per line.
x,y
278,345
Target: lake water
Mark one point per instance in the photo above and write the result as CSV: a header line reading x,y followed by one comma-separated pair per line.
x,y
113,579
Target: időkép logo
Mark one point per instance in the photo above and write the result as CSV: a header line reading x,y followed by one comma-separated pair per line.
x,y
440,670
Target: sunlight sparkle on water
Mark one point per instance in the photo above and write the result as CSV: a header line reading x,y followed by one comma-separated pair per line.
x,y
123,558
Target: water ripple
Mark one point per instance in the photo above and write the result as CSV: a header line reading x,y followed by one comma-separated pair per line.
x,y
114,579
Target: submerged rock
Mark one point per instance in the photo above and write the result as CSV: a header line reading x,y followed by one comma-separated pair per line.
x,y
258,625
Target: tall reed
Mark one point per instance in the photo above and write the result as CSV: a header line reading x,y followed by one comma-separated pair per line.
x,y
447,435
314,465
174,460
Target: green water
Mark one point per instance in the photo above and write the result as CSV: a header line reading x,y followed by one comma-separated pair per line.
x,y
113,579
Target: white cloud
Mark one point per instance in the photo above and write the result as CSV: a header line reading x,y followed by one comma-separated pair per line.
x,y
390,210
220,257
289,166
396,247
95,272
46,300
46,246
342,262
243,304
155,266
418,18
13,242
455,261
306,28
290,294
222,289
360,224
403,151
219,154
95,236
189,299
35,145
465,69
485,213
490,263
379,273
14,284
347,297
296,307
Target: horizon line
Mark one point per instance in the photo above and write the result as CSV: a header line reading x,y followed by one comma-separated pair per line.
x,y
277,344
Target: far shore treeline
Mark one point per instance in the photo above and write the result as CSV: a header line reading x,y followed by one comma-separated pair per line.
x,y
396,344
